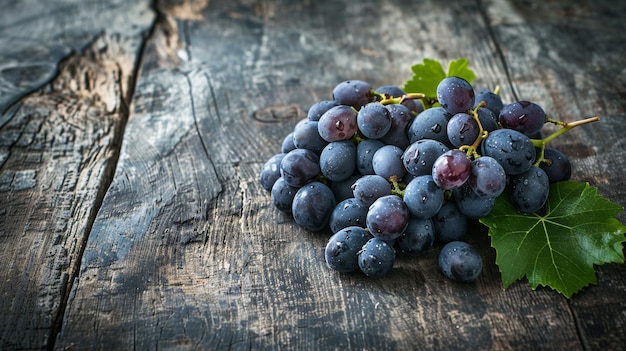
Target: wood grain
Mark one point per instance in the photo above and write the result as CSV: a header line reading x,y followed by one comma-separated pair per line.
x,y
58,149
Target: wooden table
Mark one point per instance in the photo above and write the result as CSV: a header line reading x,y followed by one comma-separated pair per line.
x,y
132,134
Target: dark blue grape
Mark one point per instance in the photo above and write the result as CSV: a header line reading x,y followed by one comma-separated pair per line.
x,y
529,191
462,129
347,213
355,93
460,262
271,171
338,160
338,123
430,124
471,204
368,188
487,119
376,258
420,156
387,162
513,150
319,108
556,165
282,195
365,154
423,197
343,189
387,217
312,206
299,167
374,120
524,116
450,224
306,136
401,118
488,178
394,91
451,169
287,144
493,101
343,247
455,95
418,237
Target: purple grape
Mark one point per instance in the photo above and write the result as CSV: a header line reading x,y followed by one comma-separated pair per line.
x,y
376,258
470,204
319,108
488,178
368,188
401,118
338,123
374,120
423,197
312,206
430,124
513,150
488,119
365,152
299,167
420,156
455,95
306,136
450,223
338,160
271,171
342,249
451,169
282,195
558,168
459,261
493,100
529,191
348,212
287,144
387,162
387,217
355,93
524,116
462,129
418,237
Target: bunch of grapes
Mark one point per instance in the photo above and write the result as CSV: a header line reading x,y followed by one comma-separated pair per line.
x,y
387,171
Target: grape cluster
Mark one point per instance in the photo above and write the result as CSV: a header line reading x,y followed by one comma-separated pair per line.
x,y
385,173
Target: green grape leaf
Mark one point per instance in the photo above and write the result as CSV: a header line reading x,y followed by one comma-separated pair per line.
x,y
428,74
460,68
560,247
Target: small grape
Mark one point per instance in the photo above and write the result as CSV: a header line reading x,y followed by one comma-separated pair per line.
x,y
513,150
401,118
348,212
387,162
488,119
355,93
365,152
306,136
488,178
343,247
282,195
376,258
493,101
524,116
338,160
450,224
338,123
299,167
418,237
423,197
387,217
451,169
556,165
462,129
368,188
529,191
312,206
374,120
471,204
287,144
420,156
460,261
455,95
271,171
319,108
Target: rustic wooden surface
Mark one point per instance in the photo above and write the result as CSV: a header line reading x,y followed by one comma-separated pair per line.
x,y
130,147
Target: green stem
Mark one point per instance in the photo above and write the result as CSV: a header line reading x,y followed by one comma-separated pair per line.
x,y
565,127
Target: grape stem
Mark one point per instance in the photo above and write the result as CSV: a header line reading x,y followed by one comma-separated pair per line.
x,y
470,150
397,188
565,127
387,100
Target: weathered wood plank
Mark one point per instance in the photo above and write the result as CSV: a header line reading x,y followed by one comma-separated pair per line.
x,y
187,252
58,147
